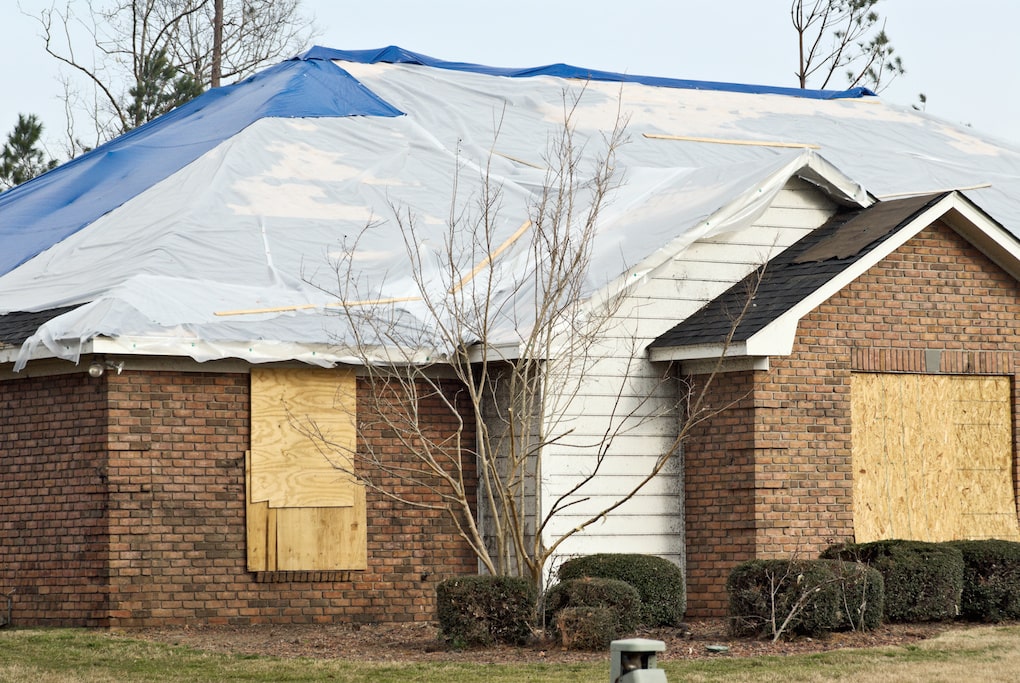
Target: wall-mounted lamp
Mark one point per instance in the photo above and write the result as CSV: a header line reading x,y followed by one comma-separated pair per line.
x,y
97,368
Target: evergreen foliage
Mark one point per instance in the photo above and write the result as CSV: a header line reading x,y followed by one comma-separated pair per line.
x,y
923,581
659,582
22,158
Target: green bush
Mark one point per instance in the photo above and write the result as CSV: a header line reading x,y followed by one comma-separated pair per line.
x,y
587,628
659,582
621,598
817,595
484,610
991,580
923,581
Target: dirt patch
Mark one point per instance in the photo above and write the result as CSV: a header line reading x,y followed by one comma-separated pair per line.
x,y
420,642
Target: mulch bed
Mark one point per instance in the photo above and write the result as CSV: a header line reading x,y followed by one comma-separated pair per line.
x,y
420,642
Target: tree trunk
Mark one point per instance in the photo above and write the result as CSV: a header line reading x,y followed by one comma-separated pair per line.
x,y
217,55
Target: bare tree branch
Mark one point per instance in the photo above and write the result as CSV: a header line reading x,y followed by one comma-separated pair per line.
x,y
833,37
510,352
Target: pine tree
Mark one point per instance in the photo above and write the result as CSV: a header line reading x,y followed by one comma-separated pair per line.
x,y
21,158
160,88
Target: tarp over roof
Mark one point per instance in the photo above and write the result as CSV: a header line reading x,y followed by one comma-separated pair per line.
x,y
242,199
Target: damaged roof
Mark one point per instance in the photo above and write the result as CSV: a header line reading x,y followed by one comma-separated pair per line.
x,y
797,272
215,231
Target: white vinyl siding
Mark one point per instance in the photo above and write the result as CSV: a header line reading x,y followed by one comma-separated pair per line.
x,y
625,381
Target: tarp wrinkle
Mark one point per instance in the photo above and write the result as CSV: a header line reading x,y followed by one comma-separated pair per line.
x,y
225,228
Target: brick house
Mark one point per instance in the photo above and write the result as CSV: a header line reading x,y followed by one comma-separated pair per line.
x,y
164,307
886,411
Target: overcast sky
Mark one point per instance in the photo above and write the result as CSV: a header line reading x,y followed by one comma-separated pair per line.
x,y
964,60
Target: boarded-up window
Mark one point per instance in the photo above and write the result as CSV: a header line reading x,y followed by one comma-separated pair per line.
x,y
932,457
306,510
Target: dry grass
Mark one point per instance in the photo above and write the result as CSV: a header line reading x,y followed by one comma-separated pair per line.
x,y
985,653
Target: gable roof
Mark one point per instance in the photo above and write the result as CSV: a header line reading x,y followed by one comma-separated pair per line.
x,y
758,316
210,231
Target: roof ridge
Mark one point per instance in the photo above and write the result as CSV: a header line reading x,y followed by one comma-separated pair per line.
x,y
393,54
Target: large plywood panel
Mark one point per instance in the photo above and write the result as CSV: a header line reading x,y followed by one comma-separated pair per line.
x,y
932,457
302,437
305,508
309,539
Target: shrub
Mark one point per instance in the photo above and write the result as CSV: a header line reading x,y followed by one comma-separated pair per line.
x,y
587,628
619,597
923,581
991,580
803,596
659,582
483,610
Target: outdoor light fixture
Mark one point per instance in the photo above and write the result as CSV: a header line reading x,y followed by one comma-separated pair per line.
x,y
634,661
97,368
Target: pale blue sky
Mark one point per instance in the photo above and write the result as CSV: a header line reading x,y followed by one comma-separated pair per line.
x,y
965,61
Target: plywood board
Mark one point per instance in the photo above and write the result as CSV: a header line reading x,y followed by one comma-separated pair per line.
x,y
932,457
302,437
256,521
312,539
306,511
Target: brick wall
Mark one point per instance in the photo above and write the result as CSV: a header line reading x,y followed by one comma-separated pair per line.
x,y
719,481
169,505
53,500
936,292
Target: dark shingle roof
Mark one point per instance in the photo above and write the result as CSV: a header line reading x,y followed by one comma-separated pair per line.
x,y
795,273
15,328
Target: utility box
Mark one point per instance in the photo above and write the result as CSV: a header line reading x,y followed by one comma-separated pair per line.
x,y
634,661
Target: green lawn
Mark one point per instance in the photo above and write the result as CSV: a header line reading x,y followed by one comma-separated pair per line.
x,y
50,655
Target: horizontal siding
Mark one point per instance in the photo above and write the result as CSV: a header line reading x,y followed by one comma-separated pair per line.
x,y
635,461
601,491
663,545
624,381
622,525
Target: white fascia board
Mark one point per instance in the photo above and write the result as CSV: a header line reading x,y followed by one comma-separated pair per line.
x,y
263,351
40,352
494,353
712,366
204,351
985,233
254,351
696,352
961,214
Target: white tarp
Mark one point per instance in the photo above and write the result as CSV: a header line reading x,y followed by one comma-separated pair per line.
x,y
257,222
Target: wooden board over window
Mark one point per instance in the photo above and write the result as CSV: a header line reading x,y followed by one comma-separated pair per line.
x,y
932,457
306,508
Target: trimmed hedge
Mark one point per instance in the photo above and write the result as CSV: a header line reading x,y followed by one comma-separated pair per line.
x,y
621,598
587,628
991,580
923,581
484,610
839,596
659,582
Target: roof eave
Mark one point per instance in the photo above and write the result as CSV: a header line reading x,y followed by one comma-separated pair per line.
x,y
777,338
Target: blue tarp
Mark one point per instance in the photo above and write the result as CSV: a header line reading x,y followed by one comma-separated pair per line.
x,y
398,55
46,210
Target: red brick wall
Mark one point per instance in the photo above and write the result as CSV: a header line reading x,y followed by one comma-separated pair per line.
x,y
719,481
53,500
935,292
176,513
